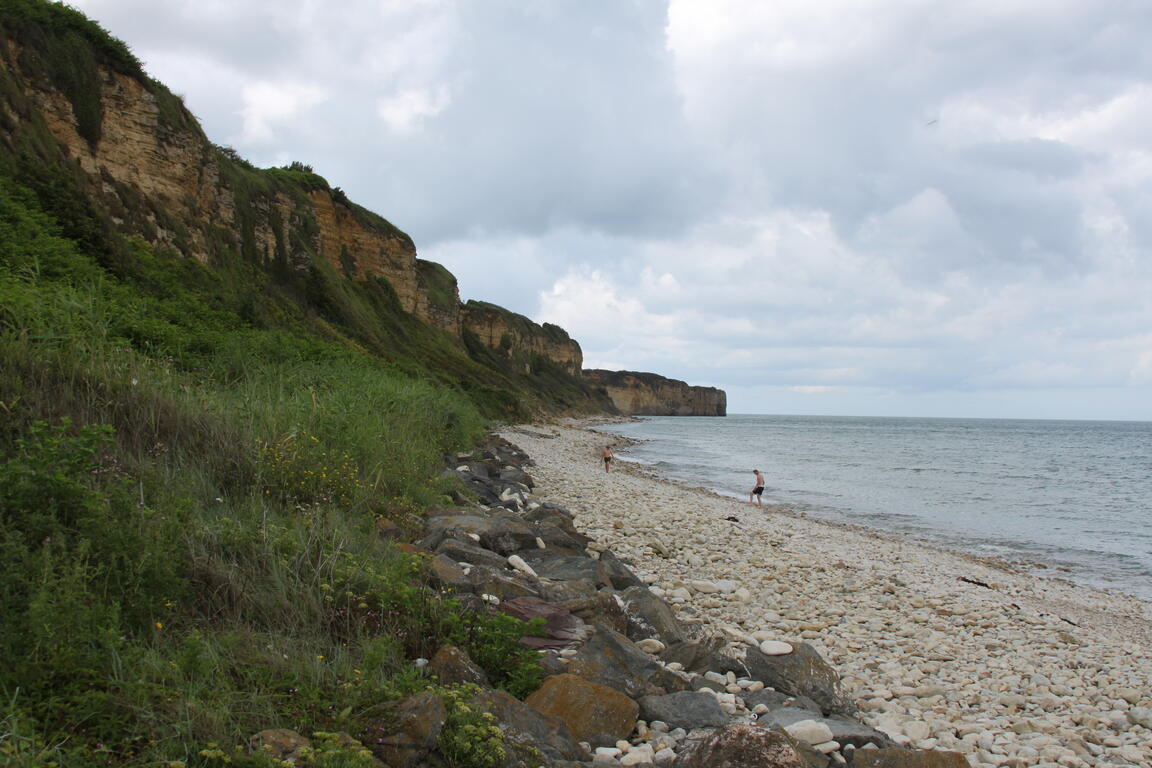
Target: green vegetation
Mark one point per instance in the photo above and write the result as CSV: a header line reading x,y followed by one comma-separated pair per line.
x,y
196,454
188,506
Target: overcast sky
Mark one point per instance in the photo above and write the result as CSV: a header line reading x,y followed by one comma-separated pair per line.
x,y
868,207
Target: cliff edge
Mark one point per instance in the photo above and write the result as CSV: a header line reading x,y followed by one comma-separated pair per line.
x,y
649,394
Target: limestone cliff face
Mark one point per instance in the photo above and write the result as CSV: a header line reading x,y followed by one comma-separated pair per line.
x,y
160,178
516,337
647,394
129,149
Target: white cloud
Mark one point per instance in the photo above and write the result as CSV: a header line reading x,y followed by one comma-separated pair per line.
x,y
885,206
267,104
404,110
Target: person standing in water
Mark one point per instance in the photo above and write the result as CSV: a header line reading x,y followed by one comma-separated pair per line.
x,y
758,489
608,454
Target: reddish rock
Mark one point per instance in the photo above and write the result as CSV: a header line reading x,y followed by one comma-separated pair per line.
x,y
561,628
593,713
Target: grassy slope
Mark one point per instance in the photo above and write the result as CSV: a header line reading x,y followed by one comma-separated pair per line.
x,y
193,462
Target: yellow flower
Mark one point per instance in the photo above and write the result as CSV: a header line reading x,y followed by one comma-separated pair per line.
x,y
159,625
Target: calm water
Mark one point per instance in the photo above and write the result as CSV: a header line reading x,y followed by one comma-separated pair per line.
x,y
1070,494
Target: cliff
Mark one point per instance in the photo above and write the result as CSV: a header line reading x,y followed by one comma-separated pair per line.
x,y
648,394
517,338
120,162
127,171
152,168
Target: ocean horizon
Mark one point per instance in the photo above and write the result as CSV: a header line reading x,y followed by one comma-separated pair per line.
x,y
1071,498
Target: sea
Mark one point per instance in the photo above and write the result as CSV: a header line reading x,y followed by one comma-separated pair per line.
x,y
1071,498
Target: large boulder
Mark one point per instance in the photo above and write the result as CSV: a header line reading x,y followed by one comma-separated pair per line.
x,y
451,666
600,609
612,660
560,541
684,709
504,584
774,700
618,571
800,673
559,567
593,713
526,728
504,536
416,725
566,591
444,573
742,746
694,655
561,627
649,616
467,552
907,758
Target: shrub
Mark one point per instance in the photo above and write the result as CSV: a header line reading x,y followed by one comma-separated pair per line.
x,y
469,738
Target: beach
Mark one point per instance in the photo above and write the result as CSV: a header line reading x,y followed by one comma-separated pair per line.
x,y
937,649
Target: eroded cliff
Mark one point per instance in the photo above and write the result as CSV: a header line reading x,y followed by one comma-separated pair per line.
x,y
150,166
128,172
648,394
517,338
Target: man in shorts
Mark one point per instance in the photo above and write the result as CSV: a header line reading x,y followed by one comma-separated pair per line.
x,y
607,458
758,489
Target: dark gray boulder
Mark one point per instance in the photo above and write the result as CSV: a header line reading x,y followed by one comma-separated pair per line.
x,y
467,552
620,574
800,673
776,700
685,709
549,565
504,536
649,616
845,730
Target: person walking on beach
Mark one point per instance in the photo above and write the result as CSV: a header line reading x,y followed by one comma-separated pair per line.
x,y
608,454
758,489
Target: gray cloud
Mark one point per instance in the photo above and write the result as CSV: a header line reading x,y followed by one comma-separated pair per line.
x,y
891,207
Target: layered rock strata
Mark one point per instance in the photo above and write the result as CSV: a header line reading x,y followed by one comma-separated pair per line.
x,y
649,394
518,338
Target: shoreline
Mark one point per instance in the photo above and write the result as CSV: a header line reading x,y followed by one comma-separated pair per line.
x,y
939,648
1017,563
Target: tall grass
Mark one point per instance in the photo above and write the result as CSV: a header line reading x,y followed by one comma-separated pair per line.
x,y
188,511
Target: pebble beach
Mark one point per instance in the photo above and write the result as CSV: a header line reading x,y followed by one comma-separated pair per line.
x,y
937,649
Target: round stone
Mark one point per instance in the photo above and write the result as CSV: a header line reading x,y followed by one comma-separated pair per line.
x,y
775,648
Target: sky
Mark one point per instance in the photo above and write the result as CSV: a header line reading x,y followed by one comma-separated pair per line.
x,y
858,207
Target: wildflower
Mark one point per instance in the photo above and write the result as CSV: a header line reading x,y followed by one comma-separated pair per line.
x,y
159,625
